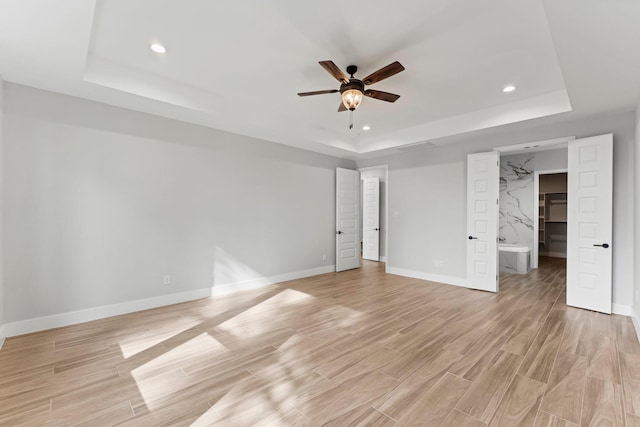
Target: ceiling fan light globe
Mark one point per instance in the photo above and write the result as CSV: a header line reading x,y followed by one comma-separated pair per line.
x,y
351,99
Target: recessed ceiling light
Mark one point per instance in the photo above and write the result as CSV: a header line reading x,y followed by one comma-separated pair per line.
x,y
158,48
366,127
509,88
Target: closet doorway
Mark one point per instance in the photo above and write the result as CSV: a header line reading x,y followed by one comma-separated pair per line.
x,y
550,227
373,230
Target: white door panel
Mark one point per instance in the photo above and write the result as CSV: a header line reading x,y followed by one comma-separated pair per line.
x,y
371,219
347,214
482,220
589,230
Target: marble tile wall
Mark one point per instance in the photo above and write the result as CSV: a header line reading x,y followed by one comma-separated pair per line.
x,y
516,199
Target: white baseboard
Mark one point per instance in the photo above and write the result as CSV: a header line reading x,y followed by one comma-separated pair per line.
x,y
448,280
71,318
621,309
2,335
383,259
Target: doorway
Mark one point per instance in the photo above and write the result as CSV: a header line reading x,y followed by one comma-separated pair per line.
x,y
550,226
368,232
520,204
588,220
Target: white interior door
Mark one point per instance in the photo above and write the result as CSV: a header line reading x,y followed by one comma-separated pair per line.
x,y
589,217
371,219
347,201
483,187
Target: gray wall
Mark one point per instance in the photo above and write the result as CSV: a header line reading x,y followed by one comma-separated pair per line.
x,y
549,160
427,196
103,202
1,212
637,225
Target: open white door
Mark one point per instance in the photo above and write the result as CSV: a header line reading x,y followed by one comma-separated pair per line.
x,y
589,223
347,200
482,220
371,219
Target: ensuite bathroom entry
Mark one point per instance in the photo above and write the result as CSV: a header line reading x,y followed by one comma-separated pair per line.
x,y
533,208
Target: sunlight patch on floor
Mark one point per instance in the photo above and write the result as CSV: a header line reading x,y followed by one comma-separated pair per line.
x,y
162,376
144,340
266,316
207,419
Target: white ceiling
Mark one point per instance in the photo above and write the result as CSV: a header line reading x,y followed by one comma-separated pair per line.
x,y
237,65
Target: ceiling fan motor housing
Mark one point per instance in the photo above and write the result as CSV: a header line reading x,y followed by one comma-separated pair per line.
x,y
353,84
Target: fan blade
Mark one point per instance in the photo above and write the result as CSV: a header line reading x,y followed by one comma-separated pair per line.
x,y
342,108
334,71
383,73
318,92
383,96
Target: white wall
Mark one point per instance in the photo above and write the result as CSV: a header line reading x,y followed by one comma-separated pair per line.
x,y
380,173
2,334
427,197
101,203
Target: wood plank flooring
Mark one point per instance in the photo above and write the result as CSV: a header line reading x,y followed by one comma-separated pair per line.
x,y
358,348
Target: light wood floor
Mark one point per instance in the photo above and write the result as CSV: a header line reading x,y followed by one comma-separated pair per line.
x,y
353,348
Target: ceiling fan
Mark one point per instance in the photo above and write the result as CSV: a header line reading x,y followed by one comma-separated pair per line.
x,y
352,89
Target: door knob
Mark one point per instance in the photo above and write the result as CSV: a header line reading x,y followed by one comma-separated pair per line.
x,y
339,232
604,245
376,229
472,238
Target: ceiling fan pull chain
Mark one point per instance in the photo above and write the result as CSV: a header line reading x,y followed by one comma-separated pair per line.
x,y
350,119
